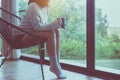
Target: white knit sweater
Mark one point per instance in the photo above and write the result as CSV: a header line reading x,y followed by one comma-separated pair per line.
x,y
35,19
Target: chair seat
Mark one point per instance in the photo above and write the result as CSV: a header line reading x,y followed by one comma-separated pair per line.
x,y
20,42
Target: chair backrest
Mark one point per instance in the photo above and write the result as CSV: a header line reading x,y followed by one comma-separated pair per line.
x,y
7,19
8,31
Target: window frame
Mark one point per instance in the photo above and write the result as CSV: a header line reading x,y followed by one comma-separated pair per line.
x,y
90,69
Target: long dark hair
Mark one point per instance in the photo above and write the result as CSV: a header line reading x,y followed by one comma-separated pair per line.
x,y
41,3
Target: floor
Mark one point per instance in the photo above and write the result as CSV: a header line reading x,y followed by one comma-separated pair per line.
x,y
24,70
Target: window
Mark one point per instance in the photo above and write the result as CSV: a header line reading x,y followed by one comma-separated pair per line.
x,y
73,39
22,6
105,61
107,35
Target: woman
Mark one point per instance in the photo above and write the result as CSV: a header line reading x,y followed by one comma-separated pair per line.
x,y
35,20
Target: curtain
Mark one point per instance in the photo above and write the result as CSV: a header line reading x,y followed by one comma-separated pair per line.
x,y
12,6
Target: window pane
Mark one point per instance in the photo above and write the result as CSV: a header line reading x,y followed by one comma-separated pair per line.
x,y
107,35
22,5
0,3
73,39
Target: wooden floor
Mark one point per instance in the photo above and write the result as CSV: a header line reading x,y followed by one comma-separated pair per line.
x,y
24,70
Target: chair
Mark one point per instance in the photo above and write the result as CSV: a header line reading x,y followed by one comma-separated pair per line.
x,y
13,35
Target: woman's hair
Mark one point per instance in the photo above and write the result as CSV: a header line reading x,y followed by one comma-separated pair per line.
x,y
41,3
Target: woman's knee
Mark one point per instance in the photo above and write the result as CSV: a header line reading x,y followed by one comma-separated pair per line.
x,y
52,34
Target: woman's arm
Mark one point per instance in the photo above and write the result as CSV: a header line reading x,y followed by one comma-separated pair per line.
x,y
36,21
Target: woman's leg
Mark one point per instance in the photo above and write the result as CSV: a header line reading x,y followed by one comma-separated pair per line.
x,y
51,49
57,44
57,56
55,66
57,41
50,40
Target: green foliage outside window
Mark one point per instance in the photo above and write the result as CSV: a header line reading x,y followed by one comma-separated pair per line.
x,y
73,39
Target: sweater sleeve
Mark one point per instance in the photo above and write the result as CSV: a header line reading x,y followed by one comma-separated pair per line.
x,y
36,21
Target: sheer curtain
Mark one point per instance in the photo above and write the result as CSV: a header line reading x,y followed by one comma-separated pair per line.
x,y
12,6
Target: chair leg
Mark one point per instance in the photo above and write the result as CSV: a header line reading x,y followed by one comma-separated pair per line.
x,y
9,50
41,62
42,70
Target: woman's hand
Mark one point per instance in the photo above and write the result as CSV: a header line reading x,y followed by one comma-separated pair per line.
x,y
61,22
